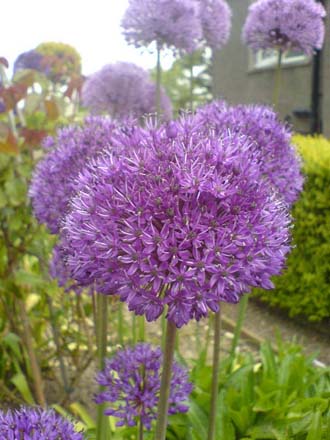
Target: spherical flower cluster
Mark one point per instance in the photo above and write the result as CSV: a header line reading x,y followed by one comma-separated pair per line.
x,y
36,424
122,90
168,23
279,160
61,61
215,18
53,180
182,218
132,384
285,25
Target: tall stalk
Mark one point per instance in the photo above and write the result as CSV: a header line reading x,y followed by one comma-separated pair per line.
x,y
142,330
35,368
238,329
133,328
140,429
277,85
120,324
102,430
165,382
191,78
140,422
215,377
56,338
158,83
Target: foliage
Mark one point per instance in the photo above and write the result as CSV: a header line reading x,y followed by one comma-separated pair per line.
x,y
304,289
279,397
176,80
30,303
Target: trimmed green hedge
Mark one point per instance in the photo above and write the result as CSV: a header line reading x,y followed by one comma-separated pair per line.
x,y
304,288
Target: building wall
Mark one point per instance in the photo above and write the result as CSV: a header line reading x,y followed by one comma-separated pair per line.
x,y
238,81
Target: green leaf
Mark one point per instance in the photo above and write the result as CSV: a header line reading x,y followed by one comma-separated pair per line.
x,y
81,412
224,427
20,382
198,420
12,341
315,432
78,426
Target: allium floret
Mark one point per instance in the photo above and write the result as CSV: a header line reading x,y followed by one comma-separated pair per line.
x,y
122,90
279,160
170,24
53,180
36,424
182,219
132,384
215,17
285,25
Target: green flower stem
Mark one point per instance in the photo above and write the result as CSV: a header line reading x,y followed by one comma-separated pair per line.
x,y
141,329
158,83
238,329
140,422
102,430
133,328
163,330
56,337
215,377
165,382
29,343
277,85
140,428
120,324
191,77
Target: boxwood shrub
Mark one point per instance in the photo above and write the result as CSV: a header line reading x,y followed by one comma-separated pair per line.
x,y
304,287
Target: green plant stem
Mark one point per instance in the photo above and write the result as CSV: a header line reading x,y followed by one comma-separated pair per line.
x,y
215,377
140,428
238,328
163,330
158,83
120,324
133,328
102,431
165,382
277,85
141,329
177,343
86,329
35,368
56,337
191,77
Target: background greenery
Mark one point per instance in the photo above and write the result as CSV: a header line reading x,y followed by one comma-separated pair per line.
x,y
304,288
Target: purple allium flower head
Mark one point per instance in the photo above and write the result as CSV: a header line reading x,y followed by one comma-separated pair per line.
x,y
215,17
181,218
285,24
122,90
53,183
168,23
29,60
132,383
36,424
279,159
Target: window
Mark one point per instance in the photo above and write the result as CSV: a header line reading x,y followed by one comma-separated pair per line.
x,y
269,58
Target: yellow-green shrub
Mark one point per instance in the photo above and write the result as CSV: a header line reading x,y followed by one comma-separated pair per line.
x,y
304,288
